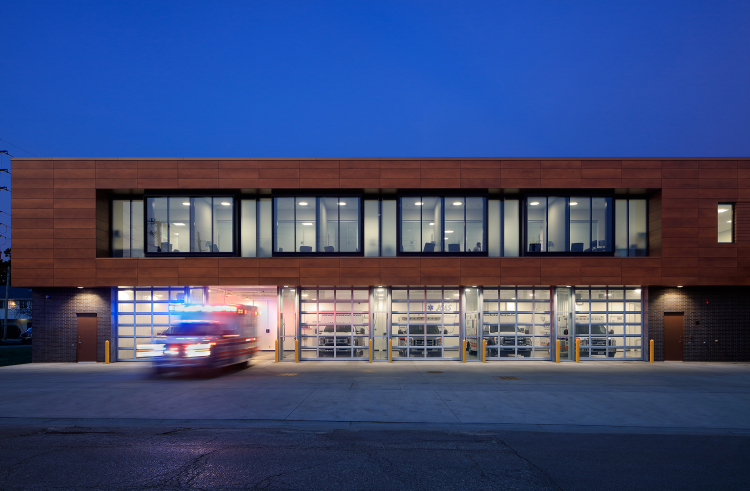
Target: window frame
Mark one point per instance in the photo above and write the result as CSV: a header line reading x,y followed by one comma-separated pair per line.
x,y
733,228
172,194
568,194
317,195
443,252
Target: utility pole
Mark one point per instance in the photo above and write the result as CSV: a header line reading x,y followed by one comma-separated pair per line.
x,y
7,287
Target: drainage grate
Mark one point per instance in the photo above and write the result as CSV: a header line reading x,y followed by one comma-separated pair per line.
x,y
509,378
286,375
434,372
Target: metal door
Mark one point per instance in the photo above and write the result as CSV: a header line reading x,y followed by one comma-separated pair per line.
x,y
86,334
674,333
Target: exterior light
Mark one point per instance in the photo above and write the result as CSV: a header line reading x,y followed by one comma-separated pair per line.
x,y
679,286
419,203
457,203
80,287
224,203
534,203
303,203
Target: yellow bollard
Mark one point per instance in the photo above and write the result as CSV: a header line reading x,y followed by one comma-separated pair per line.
x,y
557,351
369,348
106,351
651,351
463,352
484,351
276,351
390,351
578,350
296,351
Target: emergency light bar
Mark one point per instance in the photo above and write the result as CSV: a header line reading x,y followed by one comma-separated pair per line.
x,y
206,308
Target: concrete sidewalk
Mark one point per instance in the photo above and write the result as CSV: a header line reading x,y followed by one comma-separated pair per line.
x,y
623,396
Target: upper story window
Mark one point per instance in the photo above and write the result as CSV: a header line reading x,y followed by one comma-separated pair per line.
x,y
631,227
726,223
569,224
443,225
127,228
317,225
190,225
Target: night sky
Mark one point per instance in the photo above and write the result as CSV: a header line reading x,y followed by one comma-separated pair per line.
x,y
381,78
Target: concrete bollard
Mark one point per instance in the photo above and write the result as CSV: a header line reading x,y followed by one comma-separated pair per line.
x,y
651,351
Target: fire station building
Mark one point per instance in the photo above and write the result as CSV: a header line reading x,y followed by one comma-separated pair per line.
x,y
420,259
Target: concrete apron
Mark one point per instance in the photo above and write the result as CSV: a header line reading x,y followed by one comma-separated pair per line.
x,y
612,396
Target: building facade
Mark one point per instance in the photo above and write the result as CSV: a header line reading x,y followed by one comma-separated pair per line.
x,y
418,258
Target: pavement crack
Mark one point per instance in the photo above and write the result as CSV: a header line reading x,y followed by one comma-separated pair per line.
x,y
542,471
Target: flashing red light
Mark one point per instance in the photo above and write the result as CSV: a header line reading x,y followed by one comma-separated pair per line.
x,y
255,313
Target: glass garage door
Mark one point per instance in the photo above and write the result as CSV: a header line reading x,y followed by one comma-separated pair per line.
x,y
425,323
334,323
143,312
608,322
516,323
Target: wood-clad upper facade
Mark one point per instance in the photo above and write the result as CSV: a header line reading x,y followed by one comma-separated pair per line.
x,y
61,220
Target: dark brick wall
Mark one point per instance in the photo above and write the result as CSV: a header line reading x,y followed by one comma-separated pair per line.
x,y
55,321
715,331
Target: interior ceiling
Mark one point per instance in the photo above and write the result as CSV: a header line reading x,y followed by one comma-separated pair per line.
x,y
230,295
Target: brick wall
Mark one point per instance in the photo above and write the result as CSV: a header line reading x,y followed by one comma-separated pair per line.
x,y
717,331
55,321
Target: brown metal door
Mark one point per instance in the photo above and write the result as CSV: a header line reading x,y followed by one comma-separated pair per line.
x,y
86,350
674,332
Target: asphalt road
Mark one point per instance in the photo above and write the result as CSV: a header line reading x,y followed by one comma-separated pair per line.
x,y
391,457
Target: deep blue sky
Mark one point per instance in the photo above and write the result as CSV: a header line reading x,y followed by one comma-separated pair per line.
x,y
381,78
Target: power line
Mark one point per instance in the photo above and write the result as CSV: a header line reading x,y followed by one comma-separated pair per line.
x,y
9,143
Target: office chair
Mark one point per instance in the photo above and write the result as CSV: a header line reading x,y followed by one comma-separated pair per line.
x,y
576,247
429,247
454,247
328,249
305,248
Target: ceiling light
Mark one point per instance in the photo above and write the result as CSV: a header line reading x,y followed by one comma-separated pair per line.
x,y
419,203
186,204
80,287
534,203
637,290
306,223
341,203
449,231
303,203
179,224
679,286
176,233
457,203
722,210
729,221
432,223
304,294
224,203
573,203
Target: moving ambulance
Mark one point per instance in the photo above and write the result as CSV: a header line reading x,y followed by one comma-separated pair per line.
x,y
205,337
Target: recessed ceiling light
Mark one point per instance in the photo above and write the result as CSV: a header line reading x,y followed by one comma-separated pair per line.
x,y
176,233
637,290
304,295
722,210
186,204
432,223
449,231
179,224
729,221
306,223
80,287
224,203
303,203
679,286
573,203
457,203
341,203
419,203
534,203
